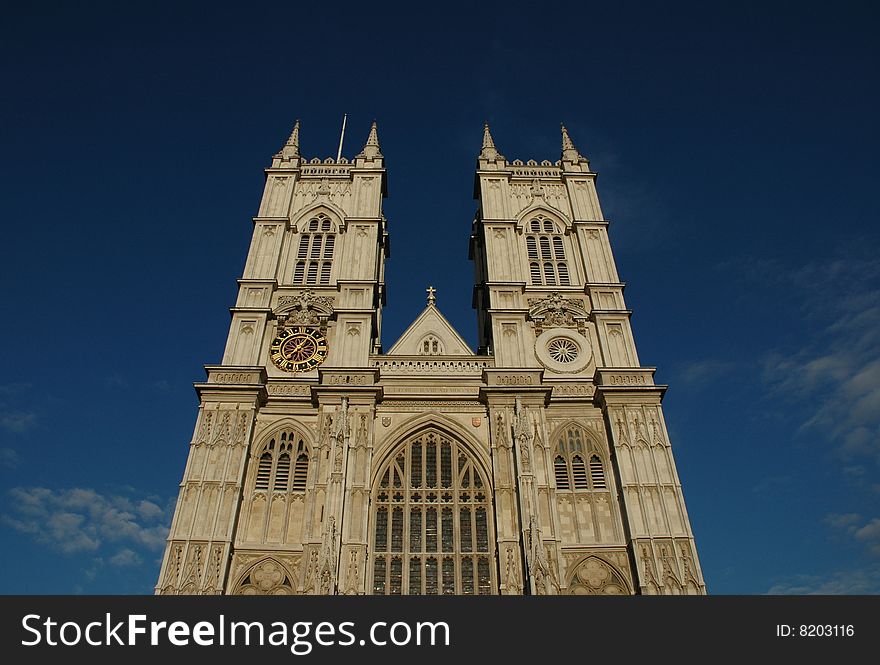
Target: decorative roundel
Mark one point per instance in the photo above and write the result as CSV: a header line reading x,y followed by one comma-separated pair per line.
x,y
563,351
298,349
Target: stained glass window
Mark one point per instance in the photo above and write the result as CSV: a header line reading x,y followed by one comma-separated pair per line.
x,y
437,525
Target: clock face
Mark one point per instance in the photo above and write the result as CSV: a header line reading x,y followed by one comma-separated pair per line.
x,y
298,349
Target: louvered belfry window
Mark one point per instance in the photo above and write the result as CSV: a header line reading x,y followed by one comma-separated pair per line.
x,y
284,464
575,467
546,253
432,522
314,254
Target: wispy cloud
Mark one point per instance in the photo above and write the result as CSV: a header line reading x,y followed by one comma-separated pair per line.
x,y
836,365
115,381
850,582
699,372
17,421
8,389
125,557
83,520
9,458
864,531
869,534
847,521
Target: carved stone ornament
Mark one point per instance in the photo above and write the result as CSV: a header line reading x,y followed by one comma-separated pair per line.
x,y
595,577
564,351
304,308
266,578
556,311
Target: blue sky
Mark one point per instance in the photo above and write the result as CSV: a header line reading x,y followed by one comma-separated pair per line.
x,y
737,151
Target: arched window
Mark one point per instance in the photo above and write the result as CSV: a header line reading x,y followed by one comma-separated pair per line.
x,y
570,466
314,254
274,466
432,522
560,466
544,242
430,346
597,473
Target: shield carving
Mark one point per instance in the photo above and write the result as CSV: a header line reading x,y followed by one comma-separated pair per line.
x,y
476,420
386,421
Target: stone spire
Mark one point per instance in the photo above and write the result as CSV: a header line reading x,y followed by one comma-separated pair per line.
x,y
489,151
371,149
291,148
569,152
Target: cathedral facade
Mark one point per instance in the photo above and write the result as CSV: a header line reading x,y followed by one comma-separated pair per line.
x,y
322,464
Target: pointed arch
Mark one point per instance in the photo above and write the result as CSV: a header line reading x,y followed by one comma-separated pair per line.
x,y
580,460
545,246
280,459
312,244
266,577
431,522
334,212
440,422
593,575
544,211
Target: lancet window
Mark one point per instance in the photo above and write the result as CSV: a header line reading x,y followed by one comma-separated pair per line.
x,y
576,465
283,465
314,255
546,252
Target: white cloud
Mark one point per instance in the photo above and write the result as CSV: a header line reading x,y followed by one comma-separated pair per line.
x,y
870,535
846,521
836,366
125,557
867,533
83,520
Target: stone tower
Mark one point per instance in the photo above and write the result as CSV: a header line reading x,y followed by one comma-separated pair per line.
x,y
538,465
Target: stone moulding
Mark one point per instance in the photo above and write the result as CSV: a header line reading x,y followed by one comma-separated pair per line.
x,y
438,367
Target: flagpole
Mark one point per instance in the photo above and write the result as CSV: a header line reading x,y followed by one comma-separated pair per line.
x,y
341,136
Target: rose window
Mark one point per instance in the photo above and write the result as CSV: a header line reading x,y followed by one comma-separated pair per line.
x,y
562,350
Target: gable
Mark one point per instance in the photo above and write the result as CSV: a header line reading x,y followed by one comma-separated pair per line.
x,y
430,334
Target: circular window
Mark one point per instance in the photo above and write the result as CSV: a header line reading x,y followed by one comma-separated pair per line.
x,y
562,350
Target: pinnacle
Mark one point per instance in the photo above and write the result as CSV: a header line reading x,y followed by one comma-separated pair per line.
x,y
569,152
373,138
291,148
489,151
371,148
294,135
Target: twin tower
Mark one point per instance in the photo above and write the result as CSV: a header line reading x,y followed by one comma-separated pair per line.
x,y
323,464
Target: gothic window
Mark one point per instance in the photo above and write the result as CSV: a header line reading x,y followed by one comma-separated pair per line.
x,y
314,254
432,522
430,346
284,464
546,253
597,473
576,465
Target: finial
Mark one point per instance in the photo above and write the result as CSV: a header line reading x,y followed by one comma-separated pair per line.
x,y
371,149
489,151
431,297
569,152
